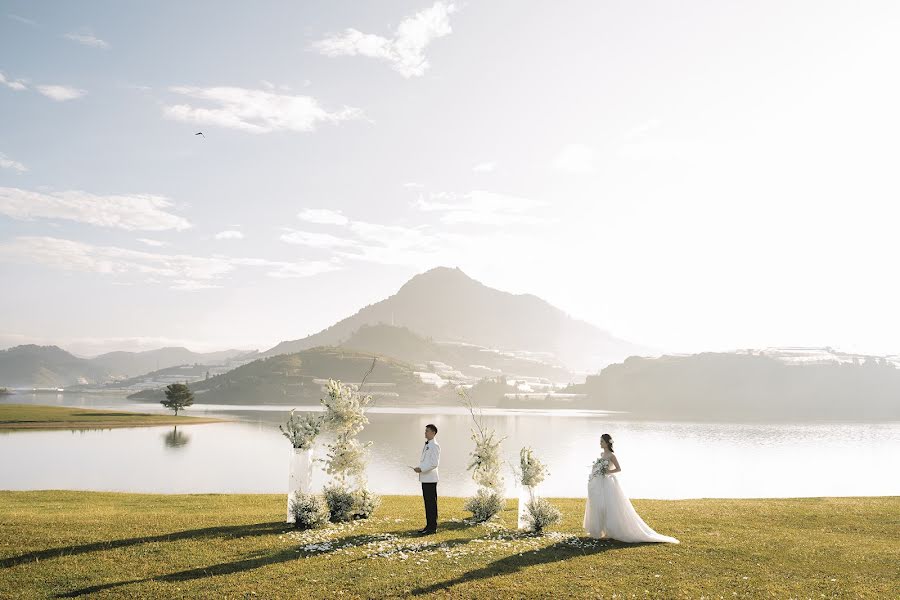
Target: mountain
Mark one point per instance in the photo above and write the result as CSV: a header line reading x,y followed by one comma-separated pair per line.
x,y
741,386
447,305
298,379
132,364
46,366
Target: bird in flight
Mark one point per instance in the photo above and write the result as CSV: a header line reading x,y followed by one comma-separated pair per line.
x,y
199,133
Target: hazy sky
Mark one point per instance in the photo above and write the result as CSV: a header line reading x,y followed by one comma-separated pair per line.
x,y
691,175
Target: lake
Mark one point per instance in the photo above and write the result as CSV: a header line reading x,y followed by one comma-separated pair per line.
x,y
664,460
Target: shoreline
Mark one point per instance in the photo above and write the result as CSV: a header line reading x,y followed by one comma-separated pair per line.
x,y
16,417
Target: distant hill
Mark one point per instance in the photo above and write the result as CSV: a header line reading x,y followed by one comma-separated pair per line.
x,y
446,305
45,366
50,366
132,364
153,379
298,378
735,387
474,361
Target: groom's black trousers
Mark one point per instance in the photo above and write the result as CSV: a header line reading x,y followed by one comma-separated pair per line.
x,y
429,495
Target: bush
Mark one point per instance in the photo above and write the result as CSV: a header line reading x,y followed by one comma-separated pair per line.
x,y
310,512
484,505
539,513
340,503
364,503
344,505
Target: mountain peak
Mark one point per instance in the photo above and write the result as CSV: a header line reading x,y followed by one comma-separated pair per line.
x,y
439,276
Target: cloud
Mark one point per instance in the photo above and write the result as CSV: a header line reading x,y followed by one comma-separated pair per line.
x,y
153,243
8,163
412,185
255,111
22,20
129,212
371,242
16,84
485,167
642,129
184,272
405,51
424,246
190,285
667,150
229,234
60,93
290,270
420,247
576,158
323,216
317,240
87,40
482,208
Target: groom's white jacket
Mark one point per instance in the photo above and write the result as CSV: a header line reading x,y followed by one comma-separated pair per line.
x,y
431,457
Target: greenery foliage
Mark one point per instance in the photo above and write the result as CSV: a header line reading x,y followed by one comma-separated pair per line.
x,y
540,513
309,511
484,505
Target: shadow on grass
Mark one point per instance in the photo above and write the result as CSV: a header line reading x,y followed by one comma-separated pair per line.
x,y
442,527
226,568
256,529
516,562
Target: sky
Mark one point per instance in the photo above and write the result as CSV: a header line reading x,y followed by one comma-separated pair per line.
x,y
691,176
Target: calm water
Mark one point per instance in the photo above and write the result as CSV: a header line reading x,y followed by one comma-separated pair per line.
x,y
660,460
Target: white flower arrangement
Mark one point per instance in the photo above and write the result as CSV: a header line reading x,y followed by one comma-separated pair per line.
x,y
345,414
486,462
346,458
532,470
345,408
485,465
301,432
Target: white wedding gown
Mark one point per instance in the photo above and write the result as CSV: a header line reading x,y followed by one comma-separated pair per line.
x,y
608,513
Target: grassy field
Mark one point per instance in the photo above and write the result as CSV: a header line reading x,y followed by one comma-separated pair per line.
x,y
69,544
30,416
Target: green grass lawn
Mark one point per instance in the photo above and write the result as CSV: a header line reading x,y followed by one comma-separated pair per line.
x,y
31,416
65,544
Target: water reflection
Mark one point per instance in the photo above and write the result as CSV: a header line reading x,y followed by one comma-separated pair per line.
x,y
176,439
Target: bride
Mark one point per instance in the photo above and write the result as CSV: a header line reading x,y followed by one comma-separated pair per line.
x,y
608,512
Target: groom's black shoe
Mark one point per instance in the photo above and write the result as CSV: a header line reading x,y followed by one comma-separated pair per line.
x,y
427,531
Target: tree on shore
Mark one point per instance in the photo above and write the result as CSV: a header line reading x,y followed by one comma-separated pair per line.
x,y
178,396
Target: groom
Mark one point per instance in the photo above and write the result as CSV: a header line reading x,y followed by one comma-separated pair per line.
x,y
428,475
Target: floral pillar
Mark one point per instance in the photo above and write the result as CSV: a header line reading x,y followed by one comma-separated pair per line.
x,y
526,495
299,476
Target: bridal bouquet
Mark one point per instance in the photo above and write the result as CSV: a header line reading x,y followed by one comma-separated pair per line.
x,y
600,468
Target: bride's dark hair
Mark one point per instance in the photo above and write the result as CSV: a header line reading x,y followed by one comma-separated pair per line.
x,y
608,439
